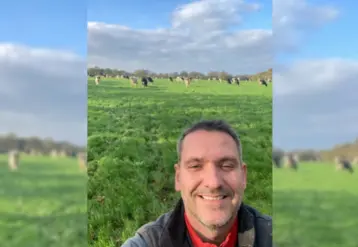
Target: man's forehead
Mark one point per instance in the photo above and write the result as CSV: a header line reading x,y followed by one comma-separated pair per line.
x,y
212,147
202,137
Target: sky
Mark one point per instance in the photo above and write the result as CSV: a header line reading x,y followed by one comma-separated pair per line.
x,y
43,69
315,73
171,36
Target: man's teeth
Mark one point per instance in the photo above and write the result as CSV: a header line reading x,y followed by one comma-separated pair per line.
x,y
213,198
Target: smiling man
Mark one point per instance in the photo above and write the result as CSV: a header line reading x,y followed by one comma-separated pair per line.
x,y
211,177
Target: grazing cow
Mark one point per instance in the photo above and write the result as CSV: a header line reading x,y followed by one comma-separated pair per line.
x,y
187,81
276,161
237,81
263,82
171,79
97,80
63,153
133,81
126,77
150,79
179,79
229,80
144,81
82,160
291,162
343,164
54,153
13,160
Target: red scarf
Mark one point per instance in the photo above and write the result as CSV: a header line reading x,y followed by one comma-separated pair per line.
x,y
230,240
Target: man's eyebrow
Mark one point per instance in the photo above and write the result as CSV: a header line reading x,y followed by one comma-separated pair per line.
x,y
222,159
194,159
228,158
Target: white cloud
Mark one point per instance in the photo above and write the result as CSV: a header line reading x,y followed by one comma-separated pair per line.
x,y
199,39
293,20
315,103
43,92
311,76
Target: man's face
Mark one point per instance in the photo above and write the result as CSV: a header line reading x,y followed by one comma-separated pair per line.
x,y
210,177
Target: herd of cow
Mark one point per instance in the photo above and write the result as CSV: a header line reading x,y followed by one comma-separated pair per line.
x,y
187,80
14,160
291,161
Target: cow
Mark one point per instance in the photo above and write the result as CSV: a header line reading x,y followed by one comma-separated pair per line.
x,y
150,79
82,160
144,81
343,164
291,162
276,161
133,81
187,81
13,160
97,80
263,82
54,153
229,80
171,79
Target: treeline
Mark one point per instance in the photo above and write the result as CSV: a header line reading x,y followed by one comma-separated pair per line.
x,y
107,72
38,146
348,150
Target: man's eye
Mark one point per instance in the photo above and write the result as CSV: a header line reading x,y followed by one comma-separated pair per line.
x,y
228,165
194,166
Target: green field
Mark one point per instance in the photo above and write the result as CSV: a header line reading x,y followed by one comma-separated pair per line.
x,y
43,204
132,135
315,206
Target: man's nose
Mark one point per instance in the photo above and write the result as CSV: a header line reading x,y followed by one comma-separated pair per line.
x,y
212,176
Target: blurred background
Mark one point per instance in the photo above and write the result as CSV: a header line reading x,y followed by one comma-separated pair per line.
x,y
315,178
43,119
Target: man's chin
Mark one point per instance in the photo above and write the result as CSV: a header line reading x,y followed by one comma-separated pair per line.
x,y
217,221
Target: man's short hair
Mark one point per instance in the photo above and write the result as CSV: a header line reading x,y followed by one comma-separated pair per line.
x,y
211,125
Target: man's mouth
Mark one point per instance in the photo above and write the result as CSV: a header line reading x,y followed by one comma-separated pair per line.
x,y
212,198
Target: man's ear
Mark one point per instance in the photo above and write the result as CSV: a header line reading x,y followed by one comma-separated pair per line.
x,y
177,177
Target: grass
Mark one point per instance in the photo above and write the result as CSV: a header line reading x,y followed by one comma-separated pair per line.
x,y
132,135
315,206
42,204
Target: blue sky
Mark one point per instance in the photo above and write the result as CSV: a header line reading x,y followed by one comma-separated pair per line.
x,y
41,23
336,39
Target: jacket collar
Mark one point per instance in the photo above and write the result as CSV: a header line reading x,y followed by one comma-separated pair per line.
x,y
176,234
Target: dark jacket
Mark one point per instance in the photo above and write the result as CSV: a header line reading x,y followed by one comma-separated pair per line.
x,y
169,230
